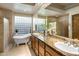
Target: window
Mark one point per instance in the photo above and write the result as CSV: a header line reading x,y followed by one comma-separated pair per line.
x,y
39,24
23,24
52,26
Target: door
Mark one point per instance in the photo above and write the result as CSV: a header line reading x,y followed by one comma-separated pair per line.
x,y
6,33
75,26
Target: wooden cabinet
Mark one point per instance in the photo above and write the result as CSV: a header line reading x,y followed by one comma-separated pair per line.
x,y
51,52
75,26
1,34
34,44
42,49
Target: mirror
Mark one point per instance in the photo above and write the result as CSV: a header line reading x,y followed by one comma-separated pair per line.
x,y
59,25
53,21
59,19
39,22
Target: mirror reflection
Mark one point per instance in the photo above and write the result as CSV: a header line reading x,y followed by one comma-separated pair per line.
x,y
56,19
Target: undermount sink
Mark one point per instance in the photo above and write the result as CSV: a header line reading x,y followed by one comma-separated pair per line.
x,y
69,49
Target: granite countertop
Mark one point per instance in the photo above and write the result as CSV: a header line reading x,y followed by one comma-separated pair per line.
x,y
51,40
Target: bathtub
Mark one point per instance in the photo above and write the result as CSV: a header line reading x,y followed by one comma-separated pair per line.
x,y
21,38
71,50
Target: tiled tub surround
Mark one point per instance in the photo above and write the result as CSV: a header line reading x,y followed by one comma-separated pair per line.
x,y
52,40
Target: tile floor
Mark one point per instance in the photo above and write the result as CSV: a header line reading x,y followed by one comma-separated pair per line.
x,y
21,50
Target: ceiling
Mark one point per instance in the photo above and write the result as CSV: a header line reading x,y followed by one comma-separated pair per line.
x,y
63,6
53,9
57,9
47,12
17,7
32,4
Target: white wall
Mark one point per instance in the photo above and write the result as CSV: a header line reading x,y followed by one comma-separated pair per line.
x,y
6,34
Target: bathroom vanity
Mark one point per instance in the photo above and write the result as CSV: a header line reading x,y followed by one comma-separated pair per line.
x,y
42,48
47,46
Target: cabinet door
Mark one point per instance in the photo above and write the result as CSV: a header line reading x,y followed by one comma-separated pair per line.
x,y
33,42
51,52
41,48
36,46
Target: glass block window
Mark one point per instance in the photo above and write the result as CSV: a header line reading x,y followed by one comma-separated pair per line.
x,y
23,24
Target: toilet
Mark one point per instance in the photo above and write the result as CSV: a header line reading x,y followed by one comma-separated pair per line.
x,y
21,38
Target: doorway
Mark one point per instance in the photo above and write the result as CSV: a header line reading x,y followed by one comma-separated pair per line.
x,y
6,34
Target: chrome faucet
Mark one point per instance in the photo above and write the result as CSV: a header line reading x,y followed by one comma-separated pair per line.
x,y
68,42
